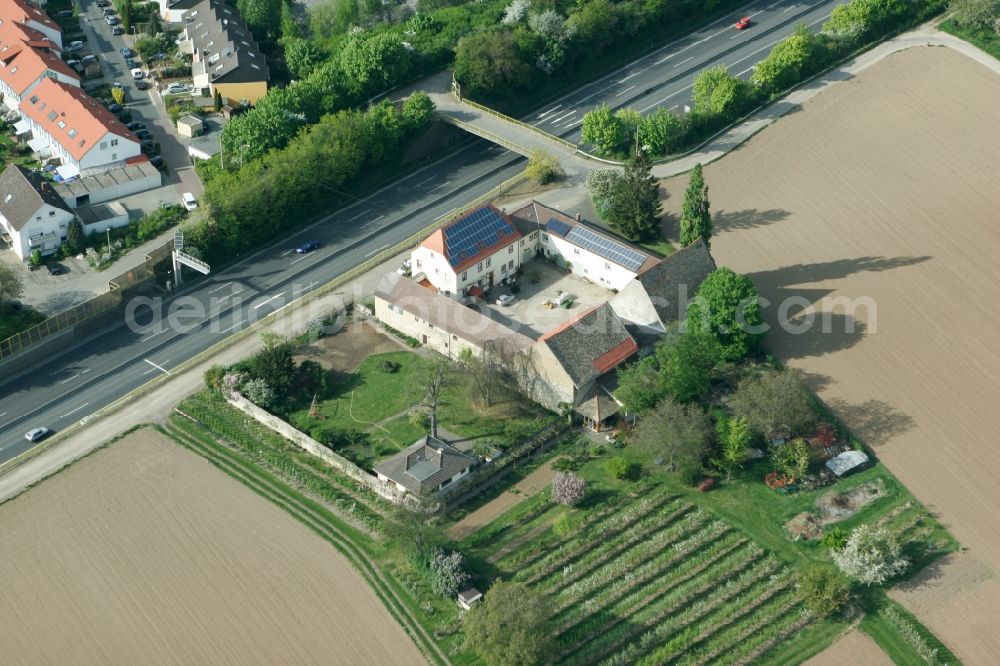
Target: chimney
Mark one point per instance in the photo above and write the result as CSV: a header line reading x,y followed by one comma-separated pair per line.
x,y
577,217
503,210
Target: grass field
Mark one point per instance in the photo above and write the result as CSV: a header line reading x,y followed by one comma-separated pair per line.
x,y
857,195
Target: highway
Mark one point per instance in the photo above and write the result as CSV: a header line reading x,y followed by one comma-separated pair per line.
x,y
70,387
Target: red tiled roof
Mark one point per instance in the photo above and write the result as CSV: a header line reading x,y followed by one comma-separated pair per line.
x,y
614,356
22,65
13,32
80,121
138,159
22,10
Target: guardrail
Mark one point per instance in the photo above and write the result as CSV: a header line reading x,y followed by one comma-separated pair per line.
x,y
551,137
205,355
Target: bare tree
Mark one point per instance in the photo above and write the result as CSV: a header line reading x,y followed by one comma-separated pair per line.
x,y
774,402
438,377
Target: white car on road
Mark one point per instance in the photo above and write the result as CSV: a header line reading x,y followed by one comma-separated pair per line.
x,y
189,201
37,434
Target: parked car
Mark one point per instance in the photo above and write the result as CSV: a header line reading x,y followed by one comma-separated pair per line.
x,y
37,434
156,160
308,246
56,269
505,299
64,13
118,84
111,19
103,3
131,64
141,85
137,74
117,30
127,52
74,47
115,108
108,11
135,125
176,89
189,201
75,64
404,268
743,23
144,134
88,59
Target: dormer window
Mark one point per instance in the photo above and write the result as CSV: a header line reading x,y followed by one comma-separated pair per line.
x,y
72,133
52,115
13,70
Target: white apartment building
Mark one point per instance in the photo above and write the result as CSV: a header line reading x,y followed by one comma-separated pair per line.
x,y
31,214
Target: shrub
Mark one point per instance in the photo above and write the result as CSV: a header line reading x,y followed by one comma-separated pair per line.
x,y
620,467
565,525
834,539
565,464
388,366
823,590
792,458
568,488
447,574
259,393
542,167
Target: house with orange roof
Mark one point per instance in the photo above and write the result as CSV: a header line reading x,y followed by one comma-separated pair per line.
x,y
86,137
25,13
24,64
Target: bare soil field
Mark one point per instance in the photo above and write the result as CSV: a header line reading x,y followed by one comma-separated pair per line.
x,y
145,553
526,487
854,647
885,187
349,347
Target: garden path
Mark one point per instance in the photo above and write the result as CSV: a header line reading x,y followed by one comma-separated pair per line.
x,y
511,497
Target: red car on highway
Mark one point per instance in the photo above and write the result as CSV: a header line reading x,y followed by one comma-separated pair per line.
x,y
743,23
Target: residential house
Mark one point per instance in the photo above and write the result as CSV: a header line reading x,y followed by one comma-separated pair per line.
x,y
172,11
425,467
575,364
85,136
25,13
473,252
439,322
31,213
25,63
225,57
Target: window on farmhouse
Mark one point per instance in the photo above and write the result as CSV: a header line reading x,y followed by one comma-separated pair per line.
x,y
489,261
511,249
465,275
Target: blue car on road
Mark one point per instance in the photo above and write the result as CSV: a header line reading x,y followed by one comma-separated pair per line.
x,y
308,246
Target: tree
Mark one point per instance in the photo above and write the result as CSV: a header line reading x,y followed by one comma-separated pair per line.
x,y
686,363
262,16
275,364
155,24
662,132
696,220
974,12
639,386
447,574
635,210
823,591
515,12
36,257
118,95
726,307
492,63
786,63
774,402
568,488
11,284
871,556
217,101
677,433
418,110
302,56
543,167
333,17
438,376
735,442
791,458
75,236
259,393
373,63
512,626
716,92
603,187
604,130
620,468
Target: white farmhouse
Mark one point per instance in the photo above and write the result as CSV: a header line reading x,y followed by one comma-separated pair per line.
x,y
31,213
86,137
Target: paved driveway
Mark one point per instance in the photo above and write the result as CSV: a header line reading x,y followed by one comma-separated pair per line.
x,y
146,105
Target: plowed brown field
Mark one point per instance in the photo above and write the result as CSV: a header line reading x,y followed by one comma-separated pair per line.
x,y
144,553
886,187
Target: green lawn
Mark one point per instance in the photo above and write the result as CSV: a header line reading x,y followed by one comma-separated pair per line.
x,y
981,37
14,321
9,154
661,247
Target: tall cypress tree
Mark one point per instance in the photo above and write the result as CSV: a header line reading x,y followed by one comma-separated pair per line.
x,y
696,220
636,203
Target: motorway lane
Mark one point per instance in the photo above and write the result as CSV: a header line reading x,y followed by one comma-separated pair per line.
x,y
664,78
62,391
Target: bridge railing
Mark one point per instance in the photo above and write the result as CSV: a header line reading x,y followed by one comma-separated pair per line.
x,y
551,137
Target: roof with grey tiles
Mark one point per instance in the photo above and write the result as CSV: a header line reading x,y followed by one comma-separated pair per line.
x,y
424,465
676,279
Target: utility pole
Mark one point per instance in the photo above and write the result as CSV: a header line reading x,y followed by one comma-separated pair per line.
x,y
109,241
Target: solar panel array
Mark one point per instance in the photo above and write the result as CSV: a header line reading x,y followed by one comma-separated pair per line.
x,y
557,227
467,237
606,248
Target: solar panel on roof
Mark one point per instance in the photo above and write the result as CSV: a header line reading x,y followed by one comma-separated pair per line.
x,y
606,248
557,227
480,229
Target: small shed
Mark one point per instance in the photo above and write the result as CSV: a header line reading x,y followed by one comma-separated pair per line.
x,y
468,598
847,462
190,126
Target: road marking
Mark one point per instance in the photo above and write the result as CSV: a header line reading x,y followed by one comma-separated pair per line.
x,y
376,251
545,113
361,214
788,9
309,286
223,286
748,69
232,327
62,370
820,20
372,222
423,182
75,410
3,415
162,330
75,376
260,305
236,293
665,99
305,255
625,91
558,120
156,366
683,61
673,107
440,186
283,254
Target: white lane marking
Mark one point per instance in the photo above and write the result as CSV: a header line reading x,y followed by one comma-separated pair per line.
x,y
62,369
747,57
683,61
262,304
228,283
305,255
634,74
440,186
372,222
376,251
673,107
358,215
748,69
424,182
283,254
232,327
235,293
3,415
625,91
156,366
665,99
788,9
153,335
820,20
563,117
75,410
545,113
308,286
75,376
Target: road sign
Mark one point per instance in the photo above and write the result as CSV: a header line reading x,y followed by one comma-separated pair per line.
x,y
178,240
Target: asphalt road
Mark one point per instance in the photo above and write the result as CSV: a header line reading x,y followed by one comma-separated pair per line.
x,y
83,379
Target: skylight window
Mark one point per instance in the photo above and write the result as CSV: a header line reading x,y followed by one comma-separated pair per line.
x,y
53,115
72,133
13,70
62,124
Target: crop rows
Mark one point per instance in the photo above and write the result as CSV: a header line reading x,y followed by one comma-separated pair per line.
x,y
606,530
754,634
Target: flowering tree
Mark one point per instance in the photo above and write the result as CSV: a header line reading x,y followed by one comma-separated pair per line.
x,y
568,488
448,574
259,393
872,555
515,11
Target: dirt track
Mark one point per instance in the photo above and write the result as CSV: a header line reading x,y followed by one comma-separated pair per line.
x,y
144,553
885,187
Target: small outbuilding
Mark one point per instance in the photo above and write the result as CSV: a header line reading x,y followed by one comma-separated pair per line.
x,y
190,126
425,467
847,463
468,598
